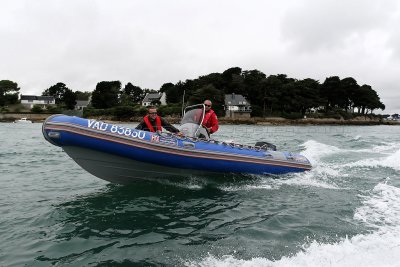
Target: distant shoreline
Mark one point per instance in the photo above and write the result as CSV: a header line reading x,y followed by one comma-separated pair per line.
x,y
276,121
362,120
310,121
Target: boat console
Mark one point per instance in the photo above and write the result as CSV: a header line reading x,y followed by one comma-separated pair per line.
x,y
191,123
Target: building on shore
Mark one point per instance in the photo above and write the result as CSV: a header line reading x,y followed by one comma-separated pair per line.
x,y
81,104
43,101
237,106
154,99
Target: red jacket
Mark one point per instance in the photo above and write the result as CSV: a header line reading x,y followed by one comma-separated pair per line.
x,y
148,123
211,121
151,126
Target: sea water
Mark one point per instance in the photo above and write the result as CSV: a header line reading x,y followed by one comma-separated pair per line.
x,y
344,212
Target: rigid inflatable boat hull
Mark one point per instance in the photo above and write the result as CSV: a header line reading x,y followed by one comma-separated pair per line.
x,y
119,154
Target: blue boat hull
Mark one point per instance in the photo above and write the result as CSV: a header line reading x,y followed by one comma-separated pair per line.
x,y
150,155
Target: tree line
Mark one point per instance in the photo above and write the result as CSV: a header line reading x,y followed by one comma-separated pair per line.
x,y
268,95
279,94
272,95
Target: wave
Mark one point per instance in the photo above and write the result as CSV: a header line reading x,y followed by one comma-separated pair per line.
x,y
369,251
245,187
385,147
327,174
391,161
321,175
379,248
314,150
382,209
382,148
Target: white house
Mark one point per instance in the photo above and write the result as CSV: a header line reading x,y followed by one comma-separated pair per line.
x,y
151,97
81,104
237,106
43,101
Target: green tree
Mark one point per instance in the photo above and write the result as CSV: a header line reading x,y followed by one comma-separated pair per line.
x,y
216,96
131,94
288,98
269,93
349,88
37,109
83,96
233,81
307,96
329,91
213,78
57,91
228,74
256,111
62,94
251,82
165,87
367,99
171,92
9,91
69,99
123,112
106,94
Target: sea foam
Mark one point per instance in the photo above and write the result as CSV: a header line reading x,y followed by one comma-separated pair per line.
x,y
391,161
379,248
314,150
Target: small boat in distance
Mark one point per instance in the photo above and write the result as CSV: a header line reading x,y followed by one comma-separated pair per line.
x,y
23,120
123,155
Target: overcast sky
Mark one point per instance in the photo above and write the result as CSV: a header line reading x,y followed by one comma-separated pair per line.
x,y
152,42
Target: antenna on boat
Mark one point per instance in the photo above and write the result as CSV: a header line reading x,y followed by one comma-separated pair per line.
x,y
183,102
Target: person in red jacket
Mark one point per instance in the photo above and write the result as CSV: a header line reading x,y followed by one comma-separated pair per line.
x,y
152,122
210,121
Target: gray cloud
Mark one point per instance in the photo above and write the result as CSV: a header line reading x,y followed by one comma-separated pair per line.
x,y
153,42
333,25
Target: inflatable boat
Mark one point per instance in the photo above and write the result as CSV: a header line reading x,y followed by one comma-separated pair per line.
x,y
122,154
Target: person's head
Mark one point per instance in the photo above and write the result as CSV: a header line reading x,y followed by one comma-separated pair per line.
x,y
152,112
208,104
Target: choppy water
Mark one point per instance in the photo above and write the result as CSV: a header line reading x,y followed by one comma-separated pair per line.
x,y
344,212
